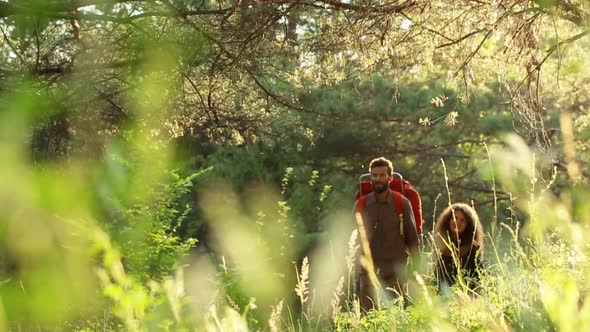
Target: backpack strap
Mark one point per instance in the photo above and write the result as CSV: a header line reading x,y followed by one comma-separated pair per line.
x,y
399,203
399,209
360,206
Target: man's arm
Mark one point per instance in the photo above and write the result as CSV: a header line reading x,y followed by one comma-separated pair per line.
x,y
410,232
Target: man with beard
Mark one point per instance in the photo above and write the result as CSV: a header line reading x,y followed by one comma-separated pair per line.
x,y
388,239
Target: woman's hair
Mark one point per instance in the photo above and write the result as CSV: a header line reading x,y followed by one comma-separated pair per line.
x,y
473,232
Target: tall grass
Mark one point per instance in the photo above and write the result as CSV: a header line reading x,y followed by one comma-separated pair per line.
x,y
535,276
67,266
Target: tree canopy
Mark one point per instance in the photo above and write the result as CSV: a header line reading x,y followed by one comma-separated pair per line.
x,y
153,105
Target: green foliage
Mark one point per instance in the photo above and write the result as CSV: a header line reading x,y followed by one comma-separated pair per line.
x,y
546,3
307,199
274,109
148,232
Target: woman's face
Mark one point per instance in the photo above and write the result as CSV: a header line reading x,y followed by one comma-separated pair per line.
x,y
459,224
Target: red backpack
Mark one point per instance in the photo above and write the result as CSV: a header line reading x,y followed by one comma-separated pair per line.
x,y
400,187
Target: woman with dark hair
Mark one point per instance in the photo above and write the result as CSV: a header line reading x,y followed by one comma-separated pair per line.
x,y
458,237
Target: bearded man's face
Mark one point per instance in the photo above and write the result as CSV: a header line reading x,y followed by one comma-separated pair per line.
x,y
380,179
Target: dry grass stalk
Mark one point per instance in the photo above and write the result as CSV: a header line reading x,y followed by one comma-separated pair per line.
x,y
356,317
338,293
422,284
367,258
275,317
302,289
353,247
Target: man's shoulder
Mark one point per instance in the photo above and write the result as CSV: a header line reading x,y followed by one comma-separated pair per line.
x,y
405,199
395,193
364,200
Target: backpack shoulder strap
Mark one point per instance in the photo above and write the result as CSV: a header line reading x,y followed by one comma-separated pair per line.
x,y
399,203
397,200
399,209
360,206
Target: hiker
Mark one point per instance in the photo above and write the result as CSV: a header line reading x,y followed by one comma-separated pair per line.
x,y
458,236
390,237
